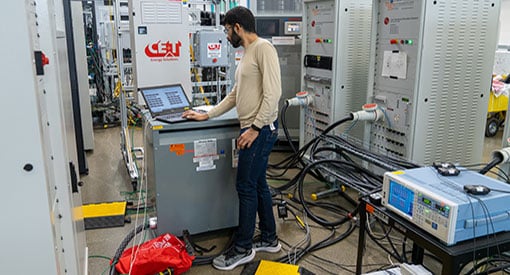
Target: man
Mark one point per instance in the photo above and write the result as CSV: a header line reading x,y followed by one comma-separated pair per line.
x,y
255,94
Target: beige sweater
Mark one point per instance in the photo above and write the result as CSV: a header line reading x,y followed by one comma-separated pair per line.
x,y
257,87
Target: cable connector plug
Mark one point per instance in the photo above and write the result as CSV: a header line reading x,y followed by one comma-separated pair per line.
x,y
301,99
502,154
370,112
498,157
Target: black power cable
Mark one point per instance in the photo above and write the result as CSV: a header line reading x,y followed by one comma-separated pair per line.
x,y
204,260
374,238
497,259
322,244
297,157
284,126
496,159
337,157
500,173
124,244
315,218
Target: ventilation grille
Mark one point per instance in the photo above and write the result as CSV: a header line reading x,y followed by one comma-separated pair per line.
x,y
357,54
157,12
355,60
456,96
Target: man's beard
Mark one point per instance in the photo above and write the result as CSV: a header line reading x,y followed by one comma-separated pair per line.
x,y
235,40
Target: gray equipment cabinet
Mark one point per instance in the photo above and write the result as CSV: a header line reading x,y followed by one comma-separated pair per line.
x,y
191,172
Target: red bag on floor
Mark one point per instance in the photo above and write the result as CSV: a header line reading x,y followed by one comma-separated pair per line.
x,y
155,256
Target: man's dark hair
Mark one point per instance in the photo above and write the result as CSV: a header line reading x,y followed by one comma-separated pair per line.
x,y
241,16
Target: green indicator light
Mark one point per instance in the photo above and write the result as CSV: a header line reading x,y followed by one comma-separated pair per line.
x,y
330,41
409,42
405,99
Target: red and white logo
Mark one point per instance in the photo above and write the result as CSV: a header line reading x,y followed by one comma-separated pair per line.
x,y
214,46
213,50
160,51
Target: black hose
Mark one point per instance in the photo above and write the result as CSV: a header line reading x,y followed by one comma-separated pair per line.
x,y
356,150
334,125
284,126
315,218
124,244
372,158
341,237
496,159
297,156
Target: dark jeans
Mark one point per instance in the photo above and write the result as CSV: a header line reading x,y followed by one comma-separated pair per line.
x,y
252,189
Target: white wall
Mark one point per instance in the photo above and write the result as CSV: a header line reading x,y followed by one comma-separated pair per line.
x,y
504,23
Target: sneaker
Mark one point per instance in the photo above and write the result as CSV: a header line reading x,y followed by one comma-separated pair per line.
x,y
232,258
262,246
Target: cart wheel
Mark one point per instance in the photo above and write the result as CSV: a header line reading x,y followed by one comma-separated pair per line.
x,y
492,127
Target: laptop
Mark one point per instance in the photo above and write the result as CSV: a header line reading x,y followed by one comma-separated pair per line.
x,y
166,103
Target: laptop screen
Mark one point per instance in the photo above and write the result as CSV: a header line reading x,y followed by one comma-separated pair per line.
x,y
165,98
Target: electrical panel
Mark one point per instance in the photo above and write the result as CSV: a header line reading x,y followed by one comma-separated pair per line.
x,y
160,43
335,56
44,167
212,48
432,63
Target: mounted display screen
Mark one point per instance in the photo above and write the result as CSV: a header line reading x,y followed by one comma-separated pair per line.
x,y
401,198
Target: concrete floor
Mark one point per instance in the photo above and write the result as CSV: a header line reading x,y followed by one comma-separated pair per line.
x,y
108,181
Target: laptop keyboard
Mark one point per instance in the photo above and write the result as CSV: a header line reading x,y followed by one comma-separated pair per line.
x,y
174,117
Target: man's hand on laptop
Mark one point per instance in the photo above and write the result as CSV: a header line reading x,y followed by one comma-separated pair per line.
x,y
194,115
